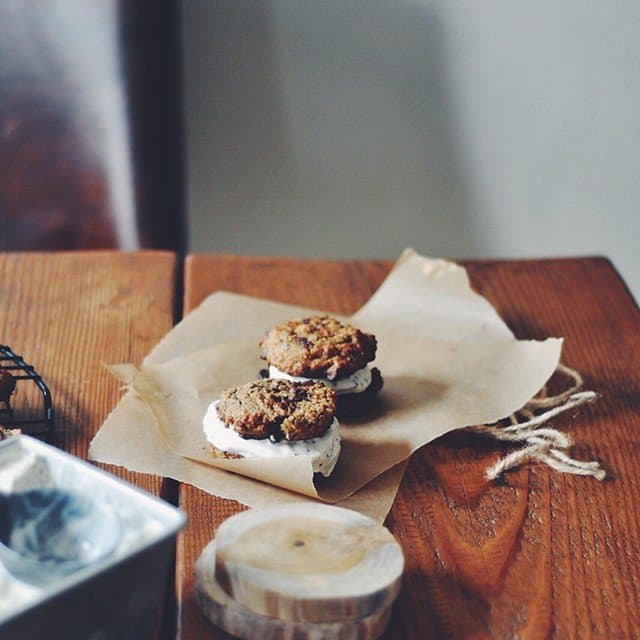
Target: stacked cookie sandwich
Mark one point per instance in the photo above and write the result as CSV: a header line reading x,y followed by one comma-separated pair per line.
x,y
276,418
324,349
316,365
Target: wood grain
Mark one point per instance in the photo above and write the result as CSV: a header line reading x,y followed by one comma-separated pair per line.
x,y
538,555
227,614
68,313
268,561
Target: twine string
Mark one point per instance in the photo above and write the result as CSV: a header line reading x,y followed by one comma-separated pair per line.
x,y
542,443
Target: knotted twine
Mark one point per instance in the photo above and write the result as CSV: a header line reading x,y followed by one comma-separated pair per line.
x,y
542,443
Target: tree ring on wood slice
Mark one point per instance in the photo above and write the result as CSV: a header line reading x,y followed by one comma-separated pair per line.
x,y
308,562
237,620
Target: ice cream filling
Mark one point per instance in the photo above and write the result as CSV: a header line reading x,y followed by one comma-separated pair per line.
x,y
323,451
357,382
20,471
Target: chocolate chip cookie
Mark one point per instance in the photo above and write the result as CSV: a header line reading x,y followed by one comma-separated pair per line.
x,y
278,409
318,347
351,405
7,387
8,433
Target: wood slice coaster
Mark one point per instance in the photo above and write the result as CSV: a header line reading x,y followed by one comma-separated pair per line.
x,y
303,571
226,613
308,562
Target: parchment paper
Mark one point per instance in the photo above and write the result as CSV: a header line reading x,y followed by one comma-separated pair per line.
x,y
447,358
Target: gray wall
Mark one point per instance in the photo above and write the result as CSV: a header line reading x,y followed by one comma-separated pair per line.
x,y
355,128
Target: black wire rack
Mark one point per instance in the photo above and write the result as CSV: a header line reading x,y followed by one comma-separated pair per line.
x,y
21,371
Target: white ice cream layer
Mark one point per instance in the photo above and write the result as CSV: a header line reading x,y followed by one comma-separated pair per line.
x,y
323,451
357,382
21,471
14,593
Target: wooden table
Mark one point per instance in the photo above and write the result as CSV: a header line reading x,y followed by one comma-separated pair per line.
x,y
538,555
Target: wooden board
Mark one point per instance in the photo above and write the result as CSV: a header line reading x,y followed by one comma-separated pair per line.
x,y
68,313
538,555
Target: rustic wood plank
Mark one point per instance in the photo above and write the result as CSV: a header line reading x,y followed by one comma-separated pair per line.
x,y
538,555
67,313
307,283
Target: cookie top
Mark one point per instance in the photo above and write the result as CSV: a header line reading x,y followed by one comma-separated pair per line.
x,y
278,409
318,347
7,433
